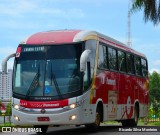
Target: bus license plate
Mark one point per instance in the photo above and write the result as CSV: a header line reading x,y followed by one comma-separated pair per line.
x,y
43,118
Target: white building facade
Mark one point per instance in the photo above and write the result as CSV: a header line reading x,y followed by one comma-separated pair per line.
x,y
6,85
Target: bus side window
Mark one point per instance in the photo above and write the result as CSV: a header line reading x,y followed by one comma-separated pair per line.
x,y
121,61
112,58
130,63
138,65
144,67
102,57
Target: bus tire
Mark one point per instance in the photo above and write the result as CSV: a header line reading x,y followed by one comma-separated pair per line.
x,y
136,116
43,128
94,126
132,122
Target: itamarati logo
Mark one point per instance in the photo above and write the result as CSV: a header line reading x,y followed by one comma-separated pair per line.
x,y
51,105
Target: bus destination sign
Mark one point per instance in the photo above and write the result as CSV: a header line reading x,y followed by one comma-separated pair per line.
x,y
33,49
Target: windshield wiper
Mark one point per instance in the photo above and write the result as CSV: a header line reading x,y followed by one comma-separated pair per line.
x,y
34,82
53,77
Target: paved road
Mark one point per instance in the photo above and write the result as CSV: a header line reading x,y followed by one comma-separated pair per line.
x,y
70,130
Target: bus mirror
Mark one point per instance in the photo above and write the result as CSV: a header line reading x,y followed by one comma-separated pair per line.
x,y
83,60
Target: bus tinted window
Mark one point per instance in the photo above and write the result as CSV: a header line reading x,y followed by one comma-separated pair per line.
x,y
144,67
68,51
112,58
55,76
102,57
138,66
130,63
121,61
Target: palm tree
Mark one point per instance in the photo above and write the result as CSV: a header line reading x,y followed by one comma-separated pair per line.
x,y
151,9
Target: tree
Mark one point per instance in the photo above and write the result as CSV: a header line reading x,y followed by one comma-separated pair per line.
x,y
155,92
0,107
151,9
9,109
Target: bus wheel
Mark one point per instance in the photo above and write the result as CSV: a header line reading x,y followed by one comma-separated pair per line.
x,y
132,122
43,128
136,116
98,119
94,126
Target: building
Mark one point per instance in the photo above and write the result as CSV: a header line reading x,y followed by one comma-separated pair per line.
x,y
6,85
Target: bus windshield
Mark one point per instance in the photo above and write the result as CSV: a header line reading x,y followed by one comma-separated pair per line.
x,y
49,72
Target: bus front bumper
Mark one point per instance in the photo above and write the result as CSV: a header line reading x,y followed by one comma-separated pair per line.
x,y
54,117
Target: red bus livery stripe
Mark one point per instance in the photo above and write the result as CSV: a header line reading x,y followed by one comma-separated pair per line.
x,y
42,104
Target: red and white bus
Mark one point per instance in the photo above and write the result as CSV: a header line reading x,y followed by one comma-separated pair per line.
x,y
78,77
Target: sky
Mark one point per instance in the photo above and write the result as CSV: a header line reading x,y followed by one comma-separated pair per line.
x,y
22,18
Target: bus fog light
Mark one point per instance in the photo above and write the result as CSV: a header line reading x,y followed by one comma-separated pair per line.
x,y
73,117
72,106
16,118
16,107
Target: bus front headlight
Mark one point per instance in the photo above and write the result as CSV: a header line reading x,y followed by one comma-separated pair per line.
x,y
74,105
77,104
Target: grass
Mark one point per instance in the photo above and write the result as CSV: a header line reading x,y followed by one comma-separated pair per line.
x,y
7,124
112,123
140,123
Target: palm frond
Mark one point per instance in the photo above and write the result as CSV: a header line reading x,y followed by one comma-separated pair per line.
x,y
151,9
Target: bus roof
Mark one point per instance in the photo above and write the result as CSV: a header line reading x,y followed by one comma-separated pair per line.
x,y
69,36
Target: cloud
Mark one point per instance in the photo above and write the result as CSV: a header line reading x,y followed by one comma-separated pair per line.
x,y
154,69
16,8
28,14
95,2
63,13
7,50
21,7
148,49
156,63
